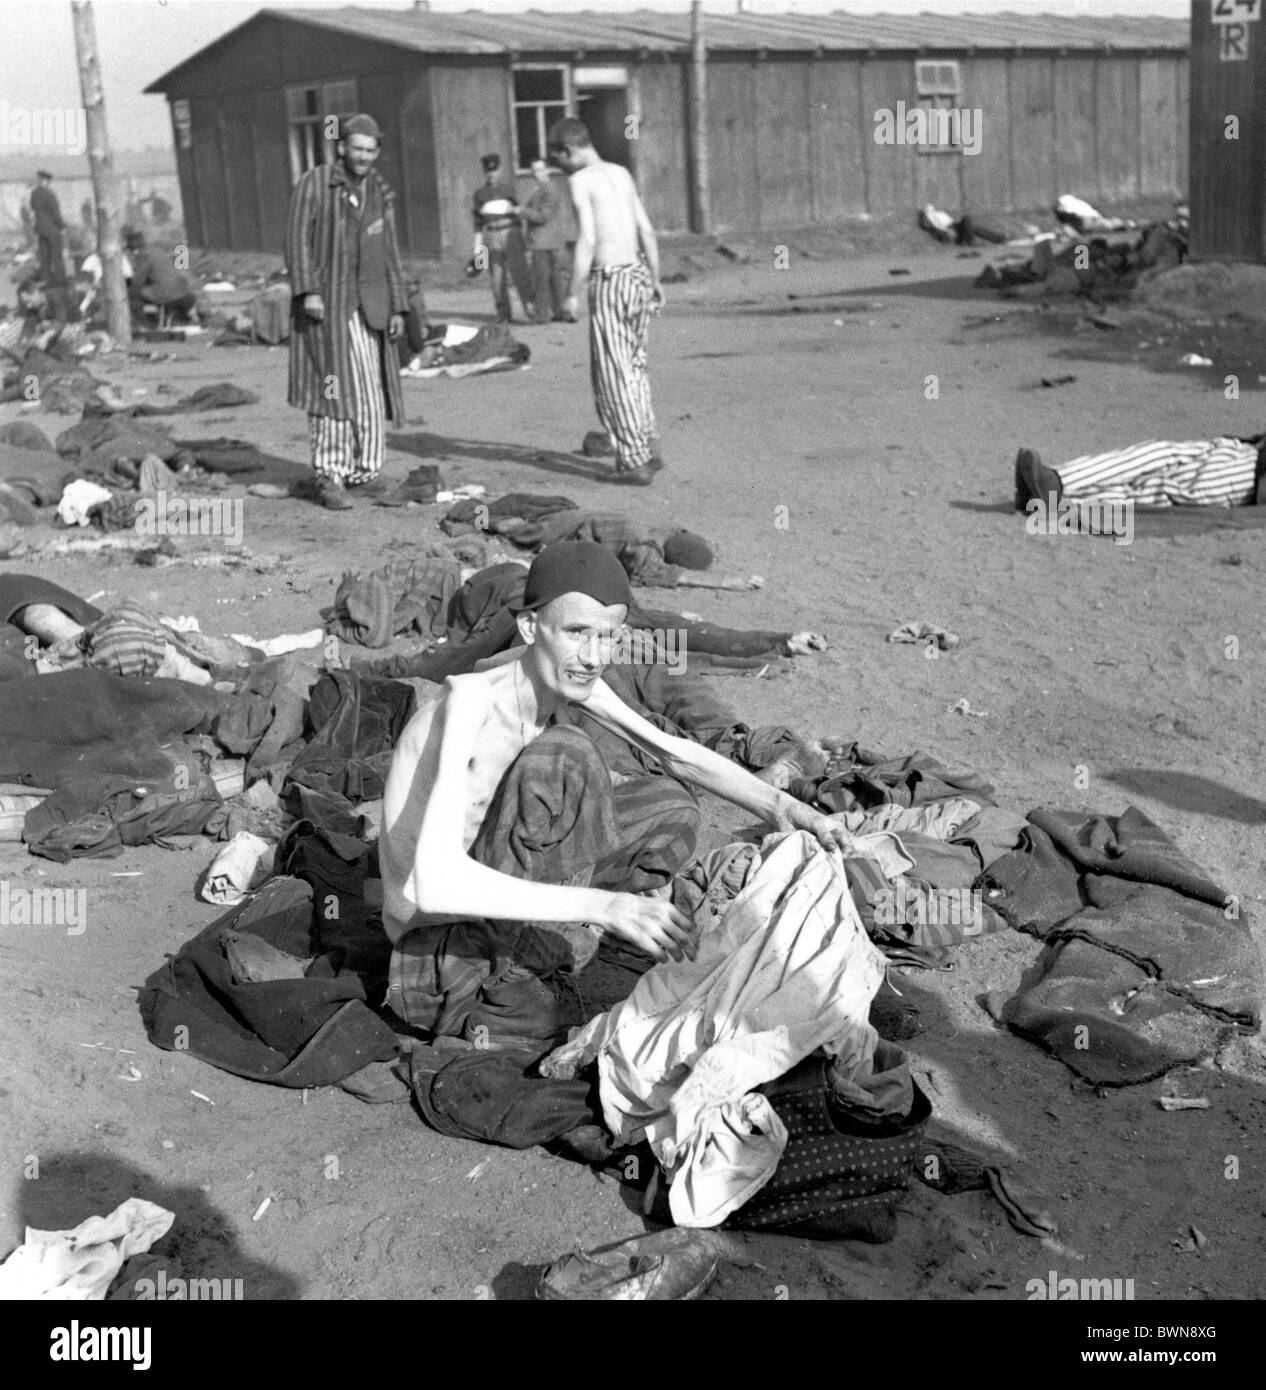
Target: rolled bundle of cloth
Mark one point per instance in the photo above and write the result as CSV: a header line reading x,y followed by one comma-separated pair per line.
x,y
244,863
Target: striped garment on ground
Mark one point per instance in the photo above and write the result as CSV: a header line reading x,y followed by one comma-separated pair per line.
x,y
351,451
619,317
1218,472
555,818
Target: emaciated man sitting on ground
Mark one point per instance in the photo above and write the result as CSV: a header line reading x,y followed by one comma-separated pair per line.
x,y
509,850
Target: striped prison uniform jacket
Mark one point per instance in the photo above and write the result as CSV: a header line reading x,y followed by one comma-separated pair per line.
x,y
351,257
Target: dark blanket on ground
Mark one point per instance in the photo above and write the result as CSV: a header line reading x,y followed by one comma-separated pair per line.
x,y
98,440
1148,964
18,590
38,476
356,721
64,726
860,779
256,994
93,445
220,396
63,386
96,815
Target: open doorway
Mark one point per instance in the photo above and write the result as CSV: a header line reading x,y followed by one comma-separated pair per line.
x,y
602,102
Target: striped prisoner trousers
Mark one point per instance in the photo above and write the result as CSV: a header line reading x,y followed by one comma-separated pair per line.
x,y
619,317
555,818
1218,472
351,451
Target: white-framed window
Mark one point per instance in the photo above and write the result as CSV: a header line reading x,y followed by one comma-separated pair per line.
x,y
541,97
938,86
308,108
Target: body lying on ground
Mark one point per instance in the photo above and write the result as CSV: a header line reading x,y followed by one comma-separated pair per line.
x,y
1226,471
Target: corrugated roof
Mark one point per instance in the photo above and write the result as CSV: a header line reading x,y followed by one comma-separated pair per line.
x,y
480,32
476,31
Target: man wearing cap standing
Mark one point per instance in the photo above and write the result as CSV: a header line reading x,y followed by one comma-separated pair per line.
x,y
495,208
508,850
50,227
348,297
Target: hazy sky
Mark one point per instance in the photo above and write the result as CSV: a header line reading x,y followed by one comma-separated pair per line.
x,y
139,40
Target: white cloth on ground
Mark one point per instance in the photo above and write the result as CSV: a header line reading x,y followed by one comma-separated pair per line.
x,y
81,1263
78,498
285,644
787,970
241,865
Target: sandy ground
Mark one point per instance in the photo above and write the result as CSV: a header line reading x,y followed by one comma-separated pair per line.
x,y
860,459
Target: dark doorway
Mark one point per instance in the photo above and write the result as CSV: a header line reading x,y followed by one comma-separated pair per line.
x,y
605,111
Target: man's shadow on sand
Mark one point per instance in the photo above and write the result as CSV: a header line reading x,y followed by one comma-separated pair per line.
x,y
432,447
201,1244
1188,791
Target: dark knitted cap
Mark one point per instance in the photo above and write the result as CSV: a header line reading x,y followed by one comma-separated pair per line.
x,y
689,551
361,124
576,567
491,162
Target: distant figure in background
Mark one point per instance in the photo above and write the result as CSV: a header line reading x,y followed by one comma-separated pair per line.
x,y
618,256
88,216
496,211
159,208
49,230
155,280
546,230
349,298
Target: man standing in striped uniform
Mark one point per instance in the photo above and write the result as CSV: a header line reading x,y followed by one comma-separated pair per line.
x,y
619,257
348,297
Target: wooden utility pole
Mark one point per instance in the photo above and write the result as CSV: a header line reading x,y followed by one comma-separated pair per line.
x,y
701,206
105,193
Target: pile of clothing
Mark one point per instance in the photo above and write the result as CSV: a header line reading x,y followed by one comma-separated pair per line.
x,y
1105,265
454,350
653,559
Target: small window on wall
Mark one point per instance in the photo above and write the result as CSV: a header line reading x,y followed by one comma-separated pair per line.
x,y
308,110
540,99
939,88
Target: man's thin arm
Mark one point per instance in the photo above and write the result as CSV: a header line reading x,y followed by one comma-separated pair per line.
x,y
646,235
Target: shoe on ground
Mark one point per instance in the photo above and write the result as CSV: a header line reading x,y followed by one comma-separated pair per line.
x,y
1033,480
333,497
597,445
376,486
632,477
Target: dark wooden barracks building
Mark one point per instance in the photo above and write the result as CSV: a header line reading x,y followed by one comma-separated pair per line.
x,y
792,108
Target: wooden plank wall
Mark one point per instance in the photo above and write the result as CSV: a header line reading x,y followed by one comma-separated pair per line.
x,y
733,174
470,114
837,135
272,166
1228,193
662,174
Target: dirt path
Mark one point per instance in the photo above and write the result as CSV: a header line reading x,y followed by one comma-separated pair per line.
x,y
861,461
